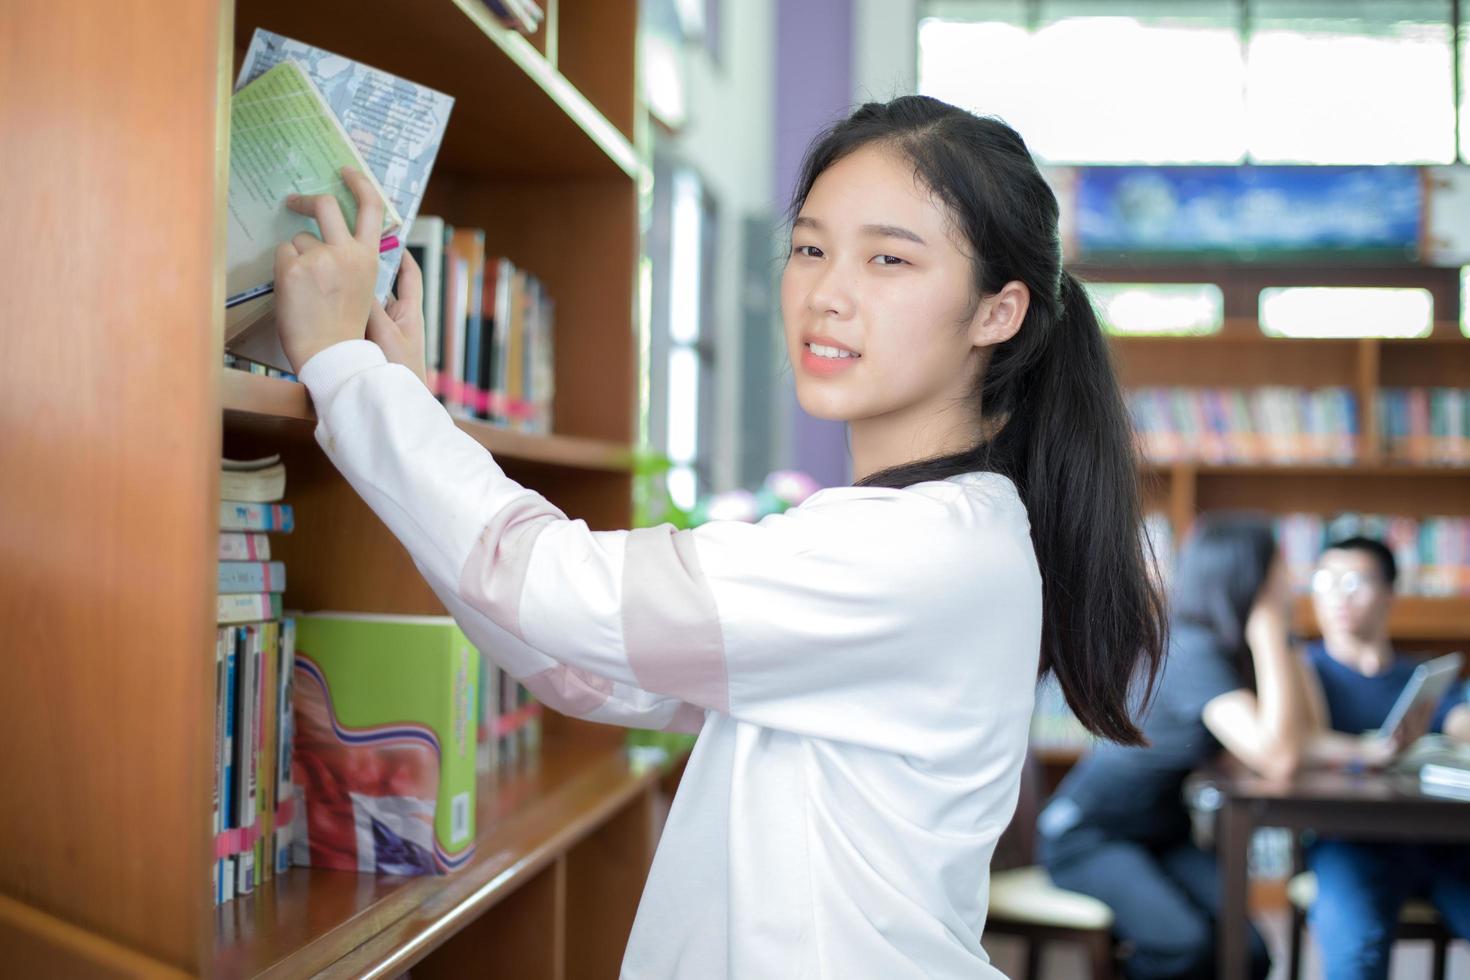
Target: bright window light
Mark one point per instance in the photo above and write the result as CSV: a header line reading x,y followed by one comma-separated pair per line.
x,y
684,255
1097,89
1132,308
1317,94
683,487
1465,300
1342,311
683,404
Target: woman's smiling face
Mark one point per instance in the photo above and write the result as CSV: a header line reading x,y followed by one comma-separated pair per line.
x,y
878,296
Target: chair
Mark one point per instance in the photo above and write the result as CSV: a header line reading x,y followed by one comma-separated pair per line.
x,y
1026,905
1418,920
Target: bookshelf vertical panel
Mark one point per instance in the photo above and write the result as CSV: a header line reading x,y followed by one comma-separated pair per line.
x,y
516,938
108,419
605,877
596,49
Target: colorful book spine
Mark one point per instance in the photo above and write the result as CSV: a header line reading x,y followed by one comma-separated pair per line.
x,y
236,515
252,576
285,729
246,770
239,546
229,787
247,607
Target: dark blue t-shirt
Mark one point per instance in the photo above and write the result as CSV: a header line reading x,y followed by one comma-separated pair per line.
x,y
1357,703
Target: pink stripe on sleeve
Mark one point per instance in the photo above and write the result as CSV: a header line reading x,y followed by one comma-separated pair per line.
x,y
671,629
569,690
494,575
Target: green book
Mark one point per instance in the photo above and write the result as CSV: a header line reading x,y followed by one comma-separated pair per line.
x,y
284,139
384,768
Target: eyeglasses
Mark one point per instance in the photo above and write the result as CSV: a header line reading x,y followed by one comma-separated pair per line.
x,y
1327,582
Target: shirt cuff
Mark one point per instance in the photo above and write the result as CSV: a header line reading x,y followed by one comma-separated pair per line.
x,y
329,368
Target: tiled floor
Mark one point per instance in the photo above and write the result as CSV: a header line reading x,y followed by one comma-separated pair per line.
x,y
1411,961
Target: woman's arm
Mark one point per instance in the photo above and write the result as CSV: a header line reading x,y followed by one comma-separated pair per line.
x,y
1266,729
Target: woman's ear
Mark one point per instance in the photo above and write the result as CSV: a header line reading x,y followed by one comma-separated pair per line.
x,y
1000,315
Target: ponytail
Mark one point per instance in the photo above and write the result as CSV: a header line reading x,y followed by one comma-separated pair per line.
x,y
1054,420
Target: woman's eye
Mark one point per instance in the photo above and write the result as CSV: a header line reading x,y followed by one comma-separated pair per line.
x,y
810,251
888,260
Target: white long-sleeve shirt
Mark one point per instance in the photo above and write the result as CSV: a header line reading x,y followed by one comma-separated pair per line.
x,y
860,670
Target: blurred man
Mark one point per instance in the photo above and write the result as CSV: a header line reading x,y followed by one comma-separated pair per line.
x,y
1362,885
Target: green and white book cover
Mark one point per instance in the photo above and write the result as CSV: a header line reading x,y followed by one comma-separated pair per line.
x,y
384,768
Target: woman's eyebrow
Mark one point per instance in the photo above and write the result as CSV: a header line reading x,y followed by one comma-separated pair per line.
x,y
880,231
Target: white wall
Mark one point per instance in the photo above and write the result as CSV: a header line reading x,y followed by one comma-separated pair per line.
x,y
885,48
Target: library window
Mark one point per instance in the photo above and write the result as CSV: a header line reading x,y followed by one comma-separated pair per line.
x,y
1269,81
1187,309
1346,311
681,354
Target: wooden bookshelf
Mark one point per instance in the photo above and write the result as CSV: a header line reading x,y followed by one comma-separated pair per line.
x,y
280,408
116,411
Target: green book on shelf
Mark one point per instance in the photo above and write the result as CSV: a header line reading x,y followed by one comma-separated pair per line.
x,y
384,764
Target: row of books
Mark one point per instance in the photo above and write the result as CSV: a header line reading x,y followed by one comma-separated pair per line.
x,y
1271,424
254,666
1432,553
489,329
1428,426
254,669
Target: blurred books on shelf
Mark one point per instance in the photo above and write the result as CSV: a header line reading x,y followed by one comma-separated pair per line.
x,y
1270,424
1426,426
524,16
490,325
1432,553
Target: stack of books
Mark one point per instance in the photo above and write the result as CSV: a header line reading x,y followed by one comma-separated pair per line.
x,y
1271,424
254,664
489,329
1427,426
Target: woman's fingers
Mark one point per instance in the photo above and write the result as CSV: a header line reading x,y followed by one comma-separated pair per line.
x,y
369,206
304,241
410,282
328,214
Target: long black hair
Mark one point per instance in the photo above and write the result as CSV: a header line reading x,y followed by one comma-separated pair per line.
x,y
1054,421
1222,566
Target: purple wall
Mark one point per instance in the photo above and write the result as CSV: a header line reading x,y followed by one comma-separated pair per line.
x,y
813,89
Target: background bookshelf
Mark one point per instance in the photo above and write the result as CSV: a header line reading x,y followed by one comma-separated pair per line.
x,y
108,494
1241,356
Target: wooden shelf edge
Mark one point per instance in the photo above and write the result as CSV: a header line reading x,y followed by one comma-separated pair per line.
x,y
588,117
255,401
1413,618
390,934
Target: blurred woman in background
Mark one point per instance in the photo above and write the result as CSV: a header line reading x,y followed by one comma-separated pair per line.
x,y
1117,828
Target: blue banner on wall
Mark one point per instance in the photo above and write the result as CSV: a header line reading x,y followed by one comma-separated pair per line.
x,y
1247,210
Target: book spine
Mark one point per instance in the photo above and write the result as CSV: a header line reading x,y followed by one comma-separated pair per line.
x,y
245,762
265,747
221,638
248,607
239,546
285,734
252,576
235,515
229,816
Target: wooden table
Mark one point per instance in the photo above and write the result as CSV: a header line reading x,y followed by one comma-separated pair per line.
x,y
1369,806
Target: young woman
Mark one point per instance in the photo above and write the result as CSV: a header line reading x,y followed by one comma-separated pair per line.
x,y
861,668
1117,828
